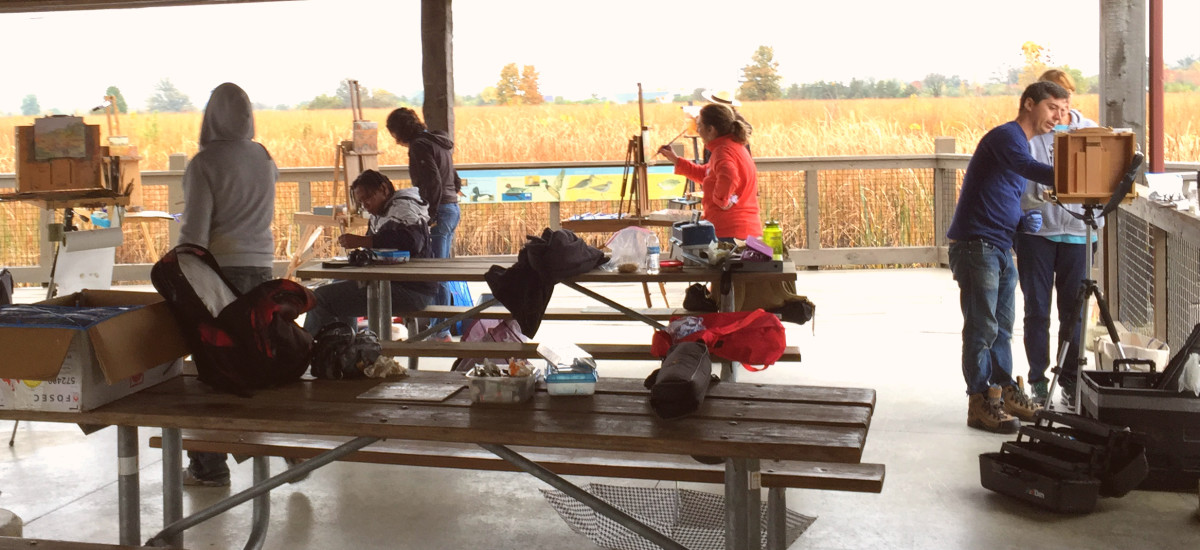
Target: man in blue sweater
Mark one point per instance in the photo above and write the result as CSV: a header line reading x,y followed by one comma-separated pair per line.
x,y
981,236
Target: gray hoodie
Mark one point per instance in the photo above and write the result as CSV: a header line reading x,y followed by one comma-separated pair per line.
x,y
229,186
1056,220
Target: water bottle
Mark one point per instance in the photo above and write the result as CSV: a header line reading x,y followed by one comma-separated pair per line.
x,y
652,252
773,237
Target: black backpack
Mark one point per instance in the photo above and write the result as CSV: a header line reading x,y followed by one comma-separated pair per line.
x,y
240,342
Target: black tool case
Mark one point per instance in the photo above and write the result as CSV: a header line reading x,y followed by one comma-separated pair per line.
x,y
1065,463
1150,403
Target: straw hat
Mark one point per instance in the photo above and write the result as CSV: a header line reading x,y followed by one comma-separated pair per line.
x,y
722,97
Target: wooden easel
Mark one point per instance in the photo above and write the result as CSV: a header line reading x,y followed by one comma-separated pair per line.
x,y
351,158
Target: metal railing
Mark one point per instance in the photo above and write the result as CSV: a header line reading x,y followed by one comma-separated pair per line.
x,y
835,211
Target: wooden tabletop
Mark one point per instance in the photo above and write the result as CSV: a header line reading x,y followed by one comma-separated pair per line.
x,y
782,422
467,268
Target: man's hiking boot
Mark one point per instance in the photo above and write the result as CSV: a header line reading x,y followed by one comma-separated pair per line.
x,y
1041,392
1017,403
985,411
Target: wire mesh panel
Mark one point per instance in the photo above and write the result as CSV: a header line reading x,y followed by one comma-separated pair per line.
x,y
1183,289
1135,275
781,197
876,208
20,234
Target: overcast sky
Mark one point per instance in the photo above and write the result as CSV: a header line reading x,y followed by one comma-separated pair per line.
x,y
289,52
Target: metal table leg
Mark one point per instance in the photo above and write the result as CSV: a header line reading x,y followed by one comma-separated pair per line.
x,y
172,451
262,505
128,486
742,504
379,309
263,488
588,499
777,518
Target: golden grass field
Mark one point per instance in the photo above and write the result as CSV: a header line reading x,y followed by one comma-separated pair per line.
x,y
857,209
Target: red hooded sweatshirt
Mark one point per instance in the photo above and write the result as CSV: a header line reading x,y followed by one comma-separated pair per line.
x,y
730,172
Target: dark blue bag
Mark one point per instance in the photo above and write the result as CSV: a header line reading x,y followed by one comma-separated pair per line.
x,y
460,295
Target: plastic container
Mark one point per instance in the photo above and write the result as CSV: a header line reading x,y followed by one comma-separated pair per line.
x,y
390,256
570,383
502,390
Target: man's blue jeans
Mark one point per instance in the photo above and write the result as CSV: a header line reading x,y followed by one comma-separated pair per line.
x,y
987,284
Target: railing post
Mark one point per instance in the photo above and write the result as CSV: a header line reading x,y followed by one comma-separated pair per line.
x,y
944,182
177,162
1158,298
812,211
304,196
45,247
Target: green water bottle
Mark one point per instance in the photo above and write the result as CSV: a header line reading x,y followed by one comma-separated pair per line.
x,y
773,237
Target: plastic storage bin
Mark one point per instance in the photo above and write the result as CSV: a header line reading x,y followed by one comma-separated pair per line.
x,y
570,383
502,390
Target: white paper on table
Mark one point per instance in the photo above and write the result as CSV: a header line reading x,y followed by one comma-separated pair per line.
x,y
1167,186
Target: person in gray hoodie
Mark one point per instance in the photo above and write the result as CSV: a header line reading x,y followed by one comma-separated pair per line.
x,y
229,202
1053,258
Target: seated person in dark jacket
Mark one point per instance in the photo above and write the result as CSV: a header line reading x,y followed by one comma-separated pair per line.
x,y
399,219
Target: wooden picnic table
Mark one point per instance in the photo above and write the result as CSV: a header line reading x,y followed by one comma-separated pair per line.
x,y
472,269
744,423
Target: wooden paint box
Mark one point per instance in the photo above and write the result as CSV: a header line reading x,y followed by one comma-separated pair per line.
x,y
1089,164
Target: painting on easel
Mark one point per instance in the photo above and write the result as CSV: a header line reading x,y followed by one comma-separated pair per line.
x,y
59,137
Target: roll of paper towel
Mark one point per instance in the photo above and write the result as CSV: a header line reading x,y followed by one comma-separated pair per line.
x,y
74,241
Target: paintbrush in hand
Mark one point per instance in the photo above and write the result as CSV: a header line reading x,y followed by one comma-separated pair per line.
x,y
669,143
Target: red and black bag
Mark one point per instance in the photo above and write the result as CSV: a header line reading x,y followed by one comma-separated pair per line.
x,y
749,337
239,342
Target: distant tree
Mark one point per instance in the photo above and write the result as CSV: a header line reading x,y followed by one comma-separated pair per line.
x,y
793,92
381,98
1187,62
283,107
508,89
168,98
116,92
1037,59
760,79
29,105
529,85
489,96
343,94
325,101
934,84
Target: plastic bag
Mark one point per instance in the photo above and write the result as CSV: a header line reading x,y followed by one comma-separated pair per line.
x,y
627,250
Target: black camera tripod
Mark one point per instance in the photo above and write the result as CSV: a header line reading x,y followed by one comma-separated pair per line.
x,y
1088,288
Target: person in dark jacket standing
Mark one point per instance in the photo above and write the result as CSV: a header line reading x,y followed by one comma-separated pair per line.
x,y
431,168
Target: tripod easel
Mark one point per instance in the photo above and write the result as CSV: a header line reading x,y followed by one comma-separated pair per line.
x,y
1088,287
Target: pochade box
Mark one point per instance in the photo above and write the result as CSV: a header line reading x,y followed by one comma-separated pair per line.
x,y
77,352
1089,164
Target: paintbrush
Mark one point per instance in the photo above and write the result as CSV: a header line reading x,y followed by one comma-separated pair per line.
x,y
669,143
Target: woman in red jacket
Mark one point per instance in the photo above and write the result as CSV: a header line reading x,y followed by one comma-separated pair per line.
x,y
729,179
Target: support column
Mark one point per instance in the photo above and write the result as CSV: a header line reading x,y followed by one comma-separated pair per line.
x,y
1123,66
437,66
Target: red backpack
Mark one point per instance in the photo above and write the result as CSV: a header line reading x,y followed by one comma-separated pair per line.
x,y
749,337
240,342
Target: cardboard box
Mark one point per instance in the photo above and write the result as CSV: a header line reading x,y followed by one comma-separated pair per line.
x,y
68,369
1089,164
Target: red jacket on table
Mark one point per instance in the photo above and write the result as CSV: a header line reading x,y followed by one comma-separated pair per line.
x,y
729,172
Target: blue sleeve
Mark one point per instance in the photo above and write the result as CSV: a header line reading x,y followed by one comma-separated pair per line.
x,y
1014,155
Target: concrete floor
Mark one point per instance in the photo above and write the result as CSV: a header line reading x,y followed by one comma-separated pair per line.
x,y
895,331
